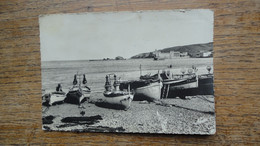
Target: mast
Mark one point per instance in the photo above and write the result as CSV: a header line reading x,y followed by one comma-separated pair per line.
x,y
140,70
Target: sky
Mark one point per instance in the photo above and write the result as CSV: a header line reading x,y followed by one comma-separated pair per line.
x,y
86,36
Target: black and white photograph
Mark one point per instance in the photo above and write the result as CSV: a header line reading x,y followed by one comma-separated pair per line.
x,y
128,72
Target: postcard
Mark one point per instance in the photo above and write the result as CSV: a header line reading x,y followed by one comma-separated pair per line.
x,y
128,72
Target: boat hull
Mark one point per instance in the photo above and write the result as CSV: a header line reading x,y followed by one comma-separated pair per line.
x,y
78,95
53,98
74,97
184,83
150,93
205,83
180,87
115,101
86,92
56,98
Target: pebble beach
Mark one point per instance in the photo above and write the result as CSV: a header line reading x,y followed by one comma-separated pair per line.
x,y
194,115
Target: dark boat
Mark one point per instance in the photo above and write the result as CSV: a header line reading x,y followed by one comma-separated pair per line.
x,y
187,84
183,81
78,93
179,85
205,83
74,96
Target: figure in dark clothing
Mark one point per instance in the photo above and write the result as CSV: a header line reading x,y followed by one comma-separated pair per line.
x,y
75,82
84,79
59,88
107,84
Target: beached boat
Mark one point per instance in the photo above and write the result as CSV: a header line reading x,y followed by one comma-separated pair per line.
x,y
151,89
205,83
149,92
114,98
179,85
184,81
56,97
86,91
74,96
79,93
147,88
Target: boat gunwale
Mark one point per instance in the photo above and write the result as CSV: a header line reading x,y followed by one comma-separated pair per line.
x,y
144,87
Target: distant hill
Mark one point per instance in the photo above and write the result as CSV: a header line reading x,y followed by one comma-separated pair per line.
x,y
191,49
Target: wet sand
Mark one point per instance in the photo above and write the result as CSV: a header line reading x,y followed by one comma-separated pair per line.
x,y
195,115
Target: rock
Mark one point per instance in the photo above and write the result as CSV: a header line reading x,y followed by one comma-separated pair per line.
x,y
48,119
189,97
46,128
144,102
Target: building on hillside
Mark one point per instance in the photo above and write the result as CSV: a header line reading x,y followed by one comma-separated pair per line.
x,y
202,54
169,55
205,54
184,54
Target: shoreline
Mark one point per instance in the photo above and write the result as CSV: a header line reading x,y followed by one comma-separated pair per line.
x,y
134,75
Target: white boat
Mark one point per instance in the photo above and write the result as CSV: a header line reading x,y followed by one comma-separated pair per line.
x,y
150,92
114,98
57,97
54,98
86,91
147,88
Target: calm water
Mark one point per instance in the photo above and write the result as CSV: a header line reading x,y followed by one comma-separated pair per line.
x,y
54,72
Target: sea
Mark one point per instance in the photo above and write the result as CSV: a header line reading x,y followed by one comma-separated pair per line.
x,y
62,72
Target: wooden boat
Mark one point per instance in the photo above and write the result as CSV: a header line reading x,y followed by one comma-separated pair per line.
x,y
54,98
86,91
185,81
149,92
147,88
79,93
205,83
74,96
114,98
57,97
179,85
151,89
188,84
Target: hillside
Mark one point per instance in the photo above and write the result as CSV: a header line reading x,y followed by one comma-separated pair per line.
x,y
191,49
